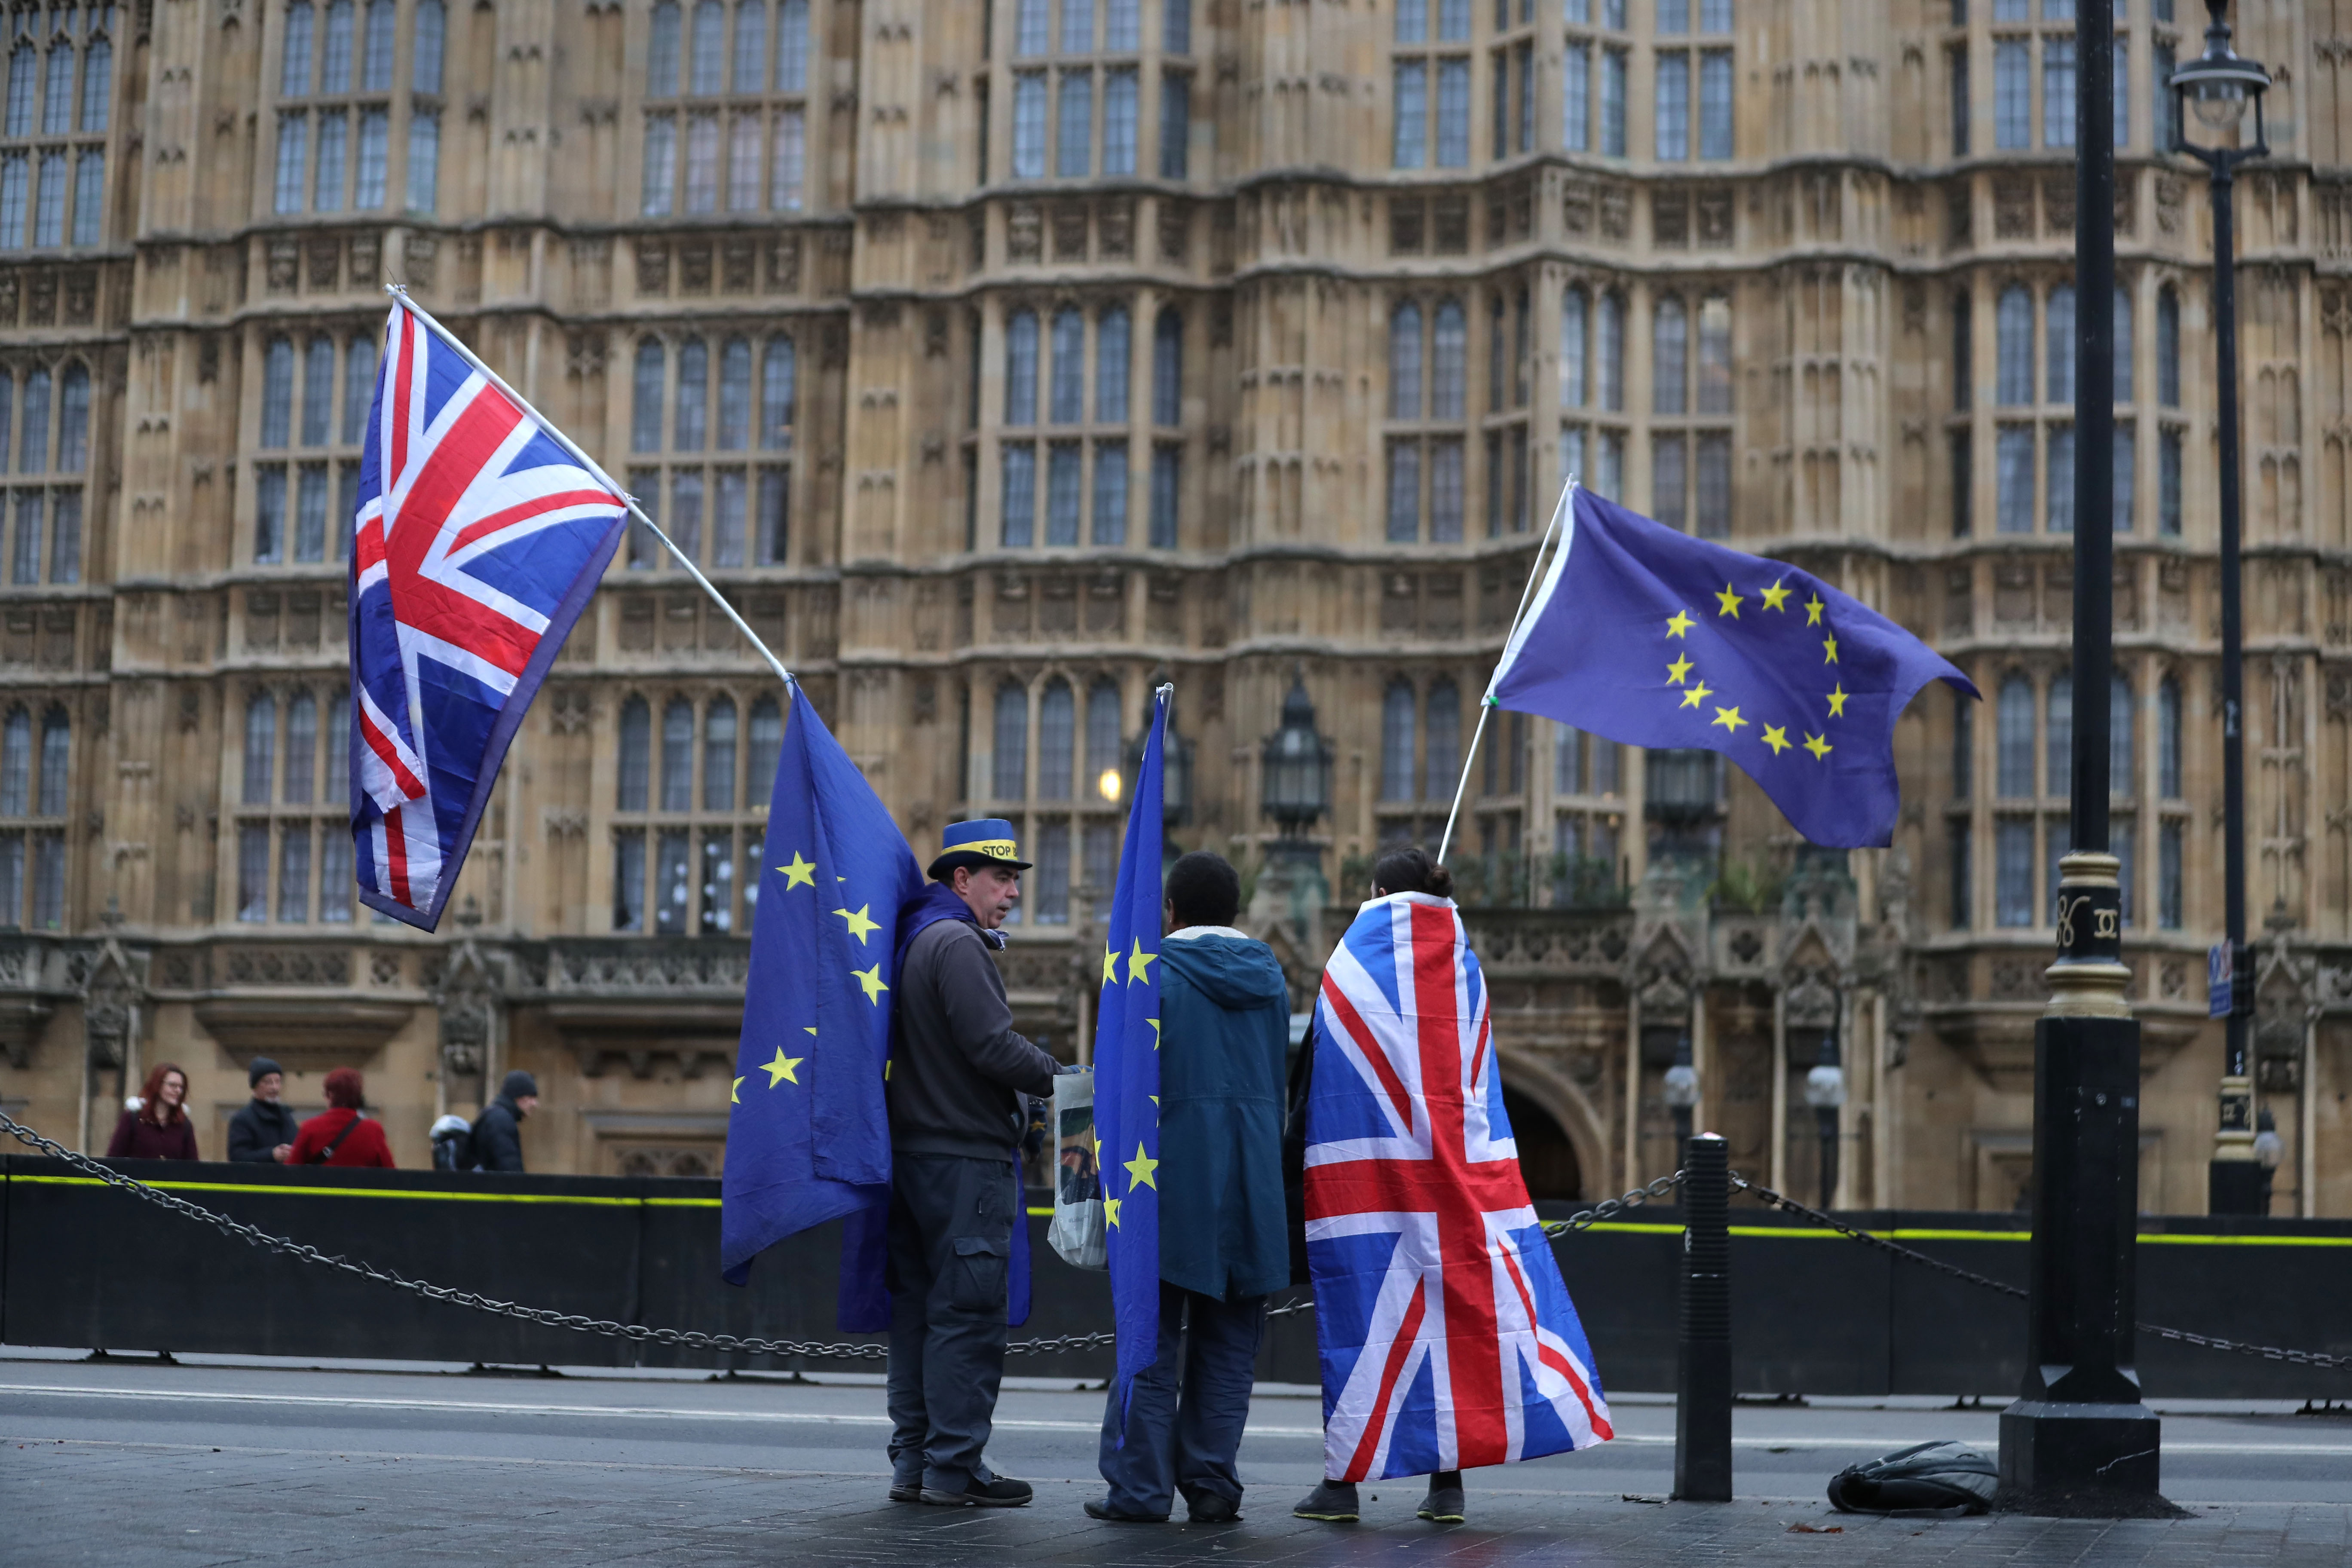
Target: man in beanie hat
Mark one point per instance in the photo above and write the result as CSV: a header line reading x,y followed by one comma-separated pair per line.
x,y
264,1131
497,1134
957,1075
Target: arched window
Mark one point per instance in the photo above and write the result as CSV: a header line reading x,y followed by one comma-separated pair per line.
x,y
708,69
792,46
1573,325
1669,348
1009,771
294,80
73,419
1168,368
338,746
1057,719
2013,347
2058,741
301,749
636,769
97,84
646,396
718,755
2123,734
692,428
1964,350
1404,362
661,51
2123,346
751,47
735,395
2167,738
1111,355
2058,340
678,755
431,29
335,74
2016,739
260,747
1714,355
1609,352
23,62
375,70
33,444
1102,738
2168,347
766,744
1021,368
318,390
1443,747
1396,741
277,392
358,390
1449,356
15,764
777,392
1069,393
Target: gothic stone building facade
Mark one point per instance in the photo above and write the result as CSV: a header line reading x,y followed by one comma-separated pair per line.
x,y
1000,359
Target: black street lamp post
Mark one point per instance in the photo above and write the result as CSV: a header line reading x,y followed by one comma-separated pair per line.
x,y
2078,1439
2217,89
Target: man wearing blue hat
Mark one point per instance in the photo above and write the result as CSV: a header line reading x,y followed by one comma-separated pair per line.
x,y
958,1073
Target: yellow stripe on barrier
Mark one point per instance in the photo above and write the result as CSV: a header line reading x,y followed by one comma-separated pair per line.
x,y
374,1193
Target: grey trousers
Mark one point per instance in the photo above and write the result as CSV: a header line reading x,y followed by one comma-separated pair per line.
x,y
950,1248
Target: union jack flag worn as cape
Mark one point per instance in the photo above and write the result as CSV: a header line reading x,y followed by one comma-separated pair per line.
x,y
1447,1337
479,539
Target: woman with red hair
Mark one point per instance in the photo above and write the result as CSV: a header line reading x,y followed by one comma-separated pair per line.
x,y
339,1135
156,1126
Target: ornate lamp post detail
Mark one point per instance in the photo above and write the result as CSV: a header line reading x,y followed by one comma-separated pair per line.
x,y
1294,772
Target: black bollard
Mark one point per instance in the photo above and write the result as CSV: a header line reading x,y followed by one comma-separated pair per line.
x,y
1703,1361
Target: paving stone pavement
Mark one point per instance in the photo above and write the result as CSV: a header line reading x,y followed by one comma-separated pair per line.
x,y
130,1505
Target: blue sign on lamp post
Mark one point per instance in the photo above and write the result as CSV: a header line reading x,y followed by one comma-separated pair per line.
x,y
2219,978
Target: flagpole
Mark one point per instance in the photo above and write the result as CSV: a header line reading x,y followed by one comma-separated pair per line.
x,y
1487,699
399,293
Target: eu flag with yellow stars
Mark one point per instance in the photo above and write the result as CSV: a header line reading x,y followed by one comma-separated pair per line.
x,y
808,1135
1645,636
1127,1072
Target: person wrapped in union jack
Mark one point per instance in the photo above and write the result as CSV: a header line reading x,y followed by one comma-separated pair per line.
x,y
1446,1335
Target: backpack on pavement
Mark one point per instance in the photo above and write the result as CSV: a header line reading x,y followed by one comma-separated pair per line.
x,y
1929,1480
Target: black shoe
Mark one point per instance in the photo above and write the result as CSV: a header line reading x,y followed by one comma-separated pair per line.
x,y
1443,1504
1333,1502
999,1491
1210,1508
905,1491
1103,1511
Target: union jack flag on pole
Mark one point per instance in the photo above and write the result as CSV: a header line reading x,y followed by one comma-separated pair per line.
x,y
481,532
1447,1335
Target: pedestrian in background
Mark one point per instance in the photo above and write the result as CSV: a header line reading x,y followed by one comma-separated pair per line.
x,y
339,1135
1224,1029
156,1127
498,1131
262,1132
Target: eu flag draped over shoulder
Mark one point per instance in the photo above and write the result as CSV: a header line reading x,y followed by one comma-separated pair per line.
x,y
1649,637
1127,1072
808,1134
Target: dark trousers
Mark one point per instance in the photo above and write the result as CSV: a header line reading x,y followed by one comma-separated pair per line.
x,y
951,1243
1185,1415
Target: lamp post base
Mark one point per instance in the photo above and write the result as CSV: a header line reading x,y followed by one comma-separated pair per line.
x,y
2070,1461
2234,1186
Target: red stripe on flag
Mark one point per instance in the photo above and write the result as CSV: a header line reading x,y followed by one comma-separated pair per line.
x,y
396,845
400,371
381,745
523,512
1408,1336
1553,1358
1353,1022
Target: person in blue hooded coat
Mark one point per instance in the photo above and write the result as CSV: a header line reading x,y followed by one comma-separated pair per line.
x,y
1224,1029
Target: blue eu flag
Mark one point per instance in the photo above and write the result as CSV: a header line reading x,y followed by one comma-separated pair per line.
x,y
1127,1072
808,1135
1650,637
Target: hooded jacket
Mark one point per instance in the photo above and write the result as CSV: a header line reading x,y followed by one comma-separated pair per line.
x,y
497,1136
1225,1025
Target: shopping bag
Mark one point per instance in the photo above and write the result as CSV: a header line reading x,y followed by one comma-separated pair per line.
x,y
1076,1233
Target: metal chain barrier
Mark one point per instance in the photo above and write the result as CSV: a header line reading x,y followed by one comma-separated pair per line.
x,y
2177,1336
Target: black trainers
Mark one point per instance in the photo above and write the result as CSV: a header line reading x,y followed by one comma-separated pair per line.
x,y
1333,1502
998,1491
905,1491
1103,1511
1210,1508
1443,1504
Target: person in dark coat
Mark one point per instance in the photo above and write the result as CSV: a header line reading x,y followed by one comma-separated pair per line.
x,y
1224,1027
339,1135
498,1131
157,1127
262,1132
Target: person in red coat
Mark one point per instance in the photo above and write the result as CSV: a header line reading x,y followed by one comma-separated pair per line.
x,y
339,1135
156,1125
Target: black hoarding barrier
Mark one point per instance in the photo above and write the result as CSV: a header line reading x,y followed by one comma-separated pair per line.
x,y
1814,1313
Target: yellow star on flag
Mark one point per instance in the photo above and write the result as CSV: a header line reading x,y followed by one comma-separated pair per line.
x,y
1774,597
1814,608
859,926
1729,718
1680,625
1155,1045
872,980
1697,695
1676,670
1837,700
781,1069
1776,738
1829,650
1138,963
1138,1170
1110,1211
1730,603
1819,747
1110,964
735,1096
799,874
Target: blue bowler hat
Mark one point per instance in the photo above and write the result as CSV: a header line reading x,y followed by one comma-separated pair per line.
x,y
987,841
